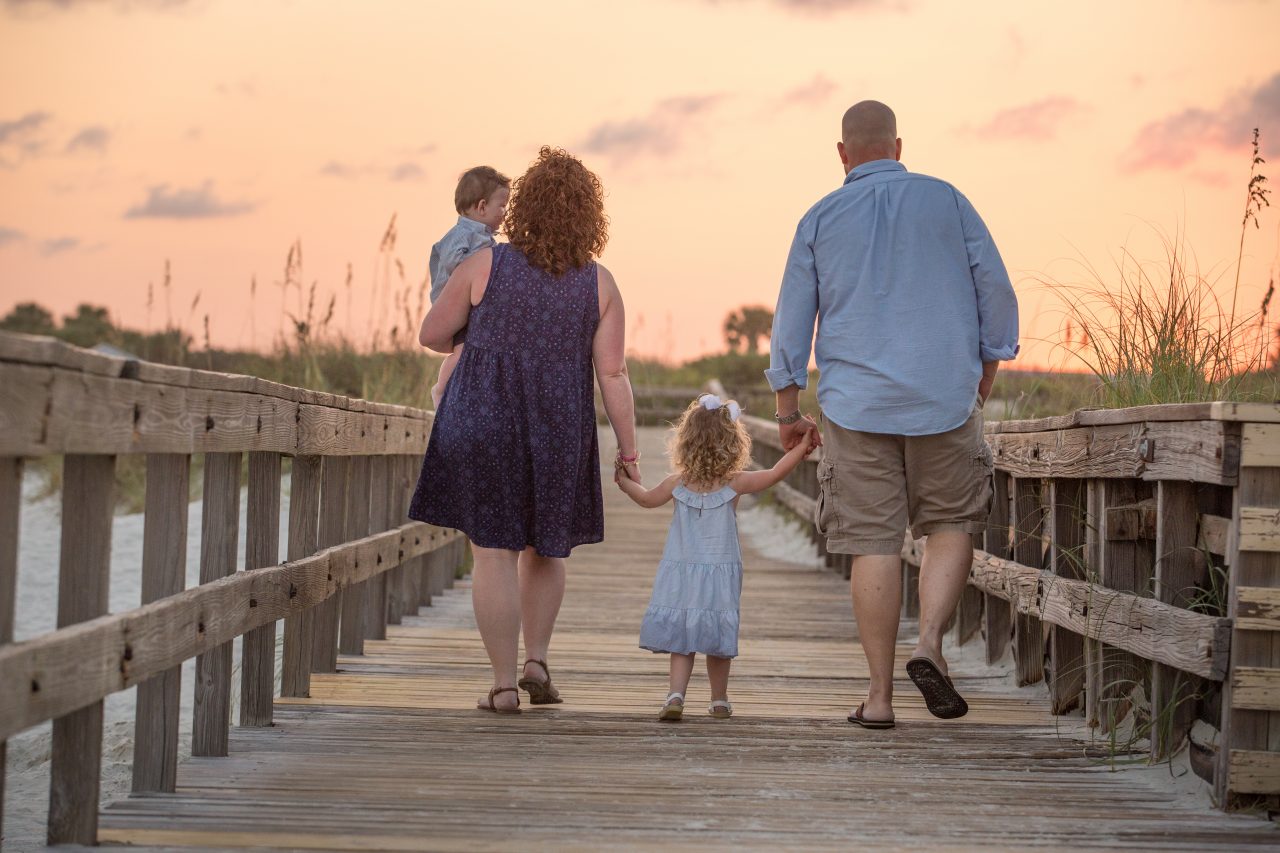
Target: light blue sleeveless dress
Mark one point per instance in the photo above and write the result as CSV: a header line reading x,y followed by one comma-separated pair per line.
x,y
694,607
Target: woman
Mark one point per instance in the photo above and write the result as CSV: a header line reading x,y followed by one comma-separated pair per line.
x,y
513,460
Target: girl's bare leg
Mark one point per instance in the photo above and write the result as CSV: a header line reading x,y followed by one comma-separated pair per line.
x,y
495,598
718,675
681,670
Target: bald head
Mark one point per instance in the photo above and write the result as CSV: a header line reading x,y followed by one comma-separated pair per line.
x,y
869,131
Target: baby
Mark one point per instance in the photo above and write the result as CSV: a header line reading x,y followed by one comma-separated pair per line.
x,y
481,200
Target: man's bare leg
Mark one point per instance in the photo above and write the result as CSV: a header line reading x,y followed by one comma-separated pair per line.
x,y
944,571
875,583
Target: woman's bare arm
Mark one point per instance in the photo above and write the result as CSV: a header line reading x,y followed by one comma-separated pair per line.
x,y
449,314
609,355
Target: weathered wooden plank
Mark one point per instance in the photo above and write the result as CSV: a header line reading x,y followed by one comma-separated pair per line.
x,y
997,617
325,431
1028,549
1257,608
375,601
1254,772
1259,528
1150,629
1218,411
42,350
304,518
1255,688
1248,729
1214,533
1127,566
335,474
1260,445
10,512
1133,521
219,538
968,619
164,573
1180,570
1202,451
1095,513
1067,519
262,549
72,668
75,766
355,613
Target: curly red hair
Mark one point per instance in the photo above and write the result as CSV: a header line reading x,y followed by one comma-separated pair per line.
x,y
556,213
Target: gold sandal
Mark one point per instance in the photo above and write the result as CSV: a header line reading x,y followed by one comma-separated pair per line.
x,y
540,692
673,710
494,708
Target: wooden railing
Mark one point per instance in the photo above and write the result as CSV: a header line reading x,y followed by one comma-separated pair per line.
x,y
1132,563
354,563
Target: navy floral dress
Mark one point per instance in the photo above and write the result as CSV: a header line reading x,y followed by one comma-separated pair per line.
x,y
514,458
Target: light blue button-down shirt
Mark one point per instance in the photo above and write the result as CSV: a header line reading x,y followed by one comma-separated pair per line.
x,y
910,298
458,243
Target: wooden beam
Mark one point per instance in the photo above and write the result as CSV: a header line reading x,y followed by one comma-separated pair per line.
x,y
304,517
1127,566
10,512
75,667
1255,688
1151,629
1260,528
1214,534
1257,608
164,573
1132,522
219,543
335,476
262,549
355,615
997,617
379,504
1201,451
1260,445
75,765
1067,521
1181,570
1028,549
1254,771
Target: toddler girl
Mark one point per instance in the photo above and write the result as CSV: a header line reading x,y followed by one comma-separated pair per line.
x,y
694,608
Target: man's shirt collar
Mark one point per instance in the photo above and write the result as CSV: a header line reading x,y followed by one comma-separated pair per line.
x,y
873,166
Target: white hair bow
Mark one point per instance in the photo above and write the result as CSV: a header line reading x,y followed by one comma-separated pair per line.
x,y
711,402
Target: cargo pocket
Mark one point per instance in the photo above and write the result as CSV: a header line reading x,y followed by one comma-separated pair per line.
x,y
824,518
983,466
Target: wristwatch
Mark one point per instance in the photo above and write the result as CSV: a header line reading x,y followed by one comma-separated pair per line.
x,y
789,419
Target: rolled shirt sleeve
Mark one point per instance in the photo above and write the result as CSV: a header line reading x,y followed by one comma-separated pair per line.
x,y
997,303
792,339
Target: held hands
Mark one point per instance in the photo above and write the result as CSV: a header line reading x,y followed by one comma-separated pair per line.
x,y
805,429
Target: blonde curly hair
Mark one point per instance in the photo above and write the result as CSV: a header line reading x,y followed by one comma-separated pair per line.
x,y
708,447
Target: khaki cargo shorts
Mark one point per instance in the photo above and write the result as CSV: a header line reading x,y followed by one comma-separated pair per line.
x,y
872,485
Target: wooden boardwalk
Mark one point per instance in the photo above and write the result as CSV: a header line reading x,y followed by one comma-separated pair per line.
x,y
387,754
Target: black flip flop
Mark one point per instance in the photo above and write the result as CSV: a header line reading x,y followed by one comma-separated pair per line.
x,y
939,693
858,720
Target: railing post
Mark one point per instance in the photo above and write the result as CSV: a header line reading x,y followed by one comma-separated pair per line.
x,y
997,621
1028,549
355,609
335,475
396,604
379,504
1126,565
411,571
968,618
1180,568
219,543
10,510
75,767
1067,521
164,573
262,549
304,516
1095,514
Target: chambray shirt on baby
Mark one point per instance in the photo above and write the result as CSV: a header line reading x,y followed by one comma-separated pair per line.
x,y
458,243
910,297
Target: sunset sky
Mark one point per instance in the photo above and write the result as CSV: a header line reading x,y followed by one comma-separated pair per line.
x,y
215,133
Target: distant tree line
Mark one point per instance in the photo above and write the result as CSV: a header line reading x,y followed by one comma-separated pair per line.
x,y
90,325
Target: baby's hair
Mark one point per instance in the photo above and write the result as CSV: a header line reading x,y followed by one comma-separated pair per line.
x,y
477,184
708,446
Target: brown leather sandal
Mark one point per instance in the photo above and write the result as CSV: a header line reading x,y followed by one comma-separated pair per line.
x,y
494,708
540,692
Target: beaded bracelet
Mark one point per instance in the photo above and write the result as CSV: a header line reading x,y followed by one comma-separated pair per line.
x,y
622,461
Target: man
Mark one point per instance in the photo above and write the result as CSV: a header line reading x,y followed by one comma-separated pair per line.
x,y
914,313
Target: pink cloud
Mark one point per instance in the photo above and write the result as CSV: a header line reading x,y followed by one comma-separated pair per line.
x,y
1038,121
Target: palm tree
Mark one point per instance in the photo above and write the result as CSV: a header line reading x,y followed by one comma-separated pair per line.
x,y
746,326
